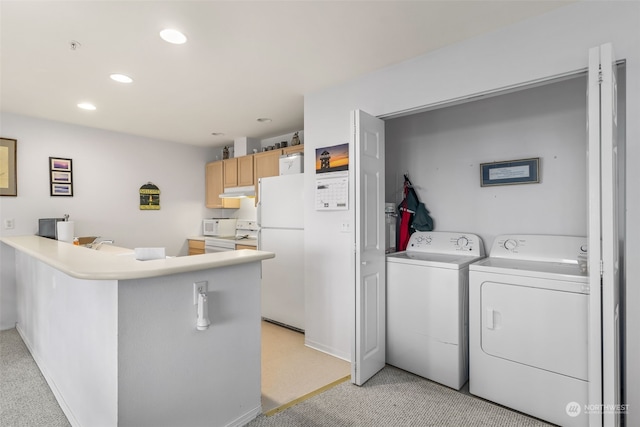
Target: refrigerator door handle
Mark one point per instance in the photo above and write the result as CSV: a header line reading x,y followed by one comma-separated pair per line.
x,y
259,239
259,205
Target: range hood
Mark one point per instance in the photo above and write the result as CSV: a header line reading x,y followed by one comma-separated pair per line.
x,y
238,192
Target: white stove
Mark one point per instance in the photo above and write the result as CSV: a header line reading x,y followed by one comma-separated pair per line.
x,y
246,233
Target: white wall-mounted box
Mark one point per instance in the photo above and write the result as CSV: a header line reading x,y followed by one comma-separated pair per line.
x,y
292,163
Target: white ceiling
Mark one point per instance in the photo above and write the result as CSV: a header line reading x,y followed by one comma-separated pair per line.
x,y
243,59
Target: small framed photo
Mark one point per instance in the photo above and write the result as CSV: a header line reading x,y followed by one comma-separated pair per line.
x,y
59,164
62,189
525,171
60,176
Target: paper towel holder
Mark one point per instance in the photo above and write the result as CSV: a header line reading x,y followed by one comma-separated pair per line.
x,y
201,301
202,320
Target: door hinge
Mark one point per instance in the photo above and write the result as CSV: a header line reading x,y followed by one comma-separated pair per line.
x,y
601,268
600,77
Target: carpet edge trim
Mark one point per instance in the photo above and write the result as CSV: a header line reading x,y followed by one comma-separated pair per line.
x,y
306,396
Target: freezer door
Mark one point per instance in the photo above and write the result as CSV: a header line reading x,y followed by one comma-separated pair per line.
x,y
283,276
281,201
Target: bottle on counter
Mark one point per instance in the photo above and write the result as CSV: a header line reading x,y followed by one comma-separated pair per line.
x,y
390,217
76,241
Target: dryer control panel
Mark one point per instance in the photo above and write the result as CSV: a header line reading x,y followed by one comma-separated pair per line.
x,y
543,248
444,242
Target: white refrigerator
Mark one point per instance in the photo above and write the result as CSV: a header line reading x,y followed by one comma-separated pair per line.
x,y
281,221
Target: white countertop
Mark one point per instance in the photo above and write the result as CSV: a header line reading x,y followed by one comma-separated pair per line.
x,y
114,263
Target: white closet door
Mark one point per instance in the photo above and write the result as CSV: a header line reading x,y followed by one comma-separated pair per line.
x,y
369,351
604,357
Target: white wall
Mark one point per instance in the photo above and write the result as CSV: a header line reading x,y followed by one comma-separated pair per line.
x,y
108,170
442,150
71,329
549,45
170,374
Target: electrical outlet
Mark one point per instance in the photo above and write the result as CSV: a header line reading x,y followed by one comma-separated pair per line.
x,y
9,224
344,227
199,287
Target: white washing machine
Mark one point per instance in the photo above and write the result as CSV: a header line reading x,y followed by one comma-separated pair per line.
x,y
528,326
427,302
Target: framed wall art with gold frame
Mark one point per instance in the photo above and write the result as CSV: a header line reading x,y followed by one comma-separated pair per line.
x,y
8,173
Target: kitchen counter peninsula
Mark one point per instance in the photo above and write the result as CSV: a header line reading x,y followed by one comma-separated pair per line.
x,y
118,263
116,338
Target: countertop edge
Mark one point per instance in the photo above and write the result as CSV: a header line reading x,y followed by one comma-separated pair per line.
x,y
89,264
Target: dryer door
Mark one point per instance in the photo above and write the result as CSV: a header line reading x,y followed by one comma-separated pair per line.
x,y
542,328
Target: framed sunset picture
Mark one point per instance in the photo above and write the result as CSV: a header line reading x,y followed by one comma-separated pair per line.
x,y
60,176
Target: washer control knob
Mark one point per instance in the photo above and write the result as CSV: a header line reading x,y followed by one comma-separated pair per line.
x,y
510,244
462,242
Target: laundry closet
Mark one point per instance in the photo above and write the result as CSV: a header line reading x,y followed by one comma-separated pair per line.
x,y
441,151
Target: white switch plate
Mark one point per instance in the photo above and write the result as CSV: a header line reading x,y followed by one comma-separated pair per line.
x,y
197,287
9,224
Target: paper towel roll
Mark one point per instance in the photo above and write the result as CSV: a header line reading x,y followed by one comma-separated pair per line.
x,y
65,231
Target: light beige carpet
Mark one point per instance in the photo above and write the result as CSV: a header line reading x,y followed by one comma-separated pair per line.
x,y
291,371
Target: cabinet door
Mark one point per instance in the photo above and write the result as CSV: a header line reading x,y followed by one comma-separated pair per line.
x,y
196,247
293,149
230,172
245,170
213,184
265,164
238,247
214,187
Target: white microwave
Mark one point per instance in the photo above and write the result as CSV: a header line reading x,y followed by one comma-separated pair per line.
x,y
219,227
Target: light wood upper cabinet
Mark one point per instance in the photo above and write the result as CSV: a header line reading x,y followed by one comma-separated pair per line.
x,y
240,172
214,186
265,164
230,172
293,149
245,170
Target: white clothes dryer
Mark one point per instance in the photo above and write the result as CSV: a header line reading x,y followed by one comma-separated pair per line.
x,y
528,326
427,305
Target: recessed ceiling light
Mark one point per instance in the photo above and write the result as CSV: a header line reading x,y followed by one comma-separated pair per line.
x,y
121,78
173,36
217,133
264,120
86,106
